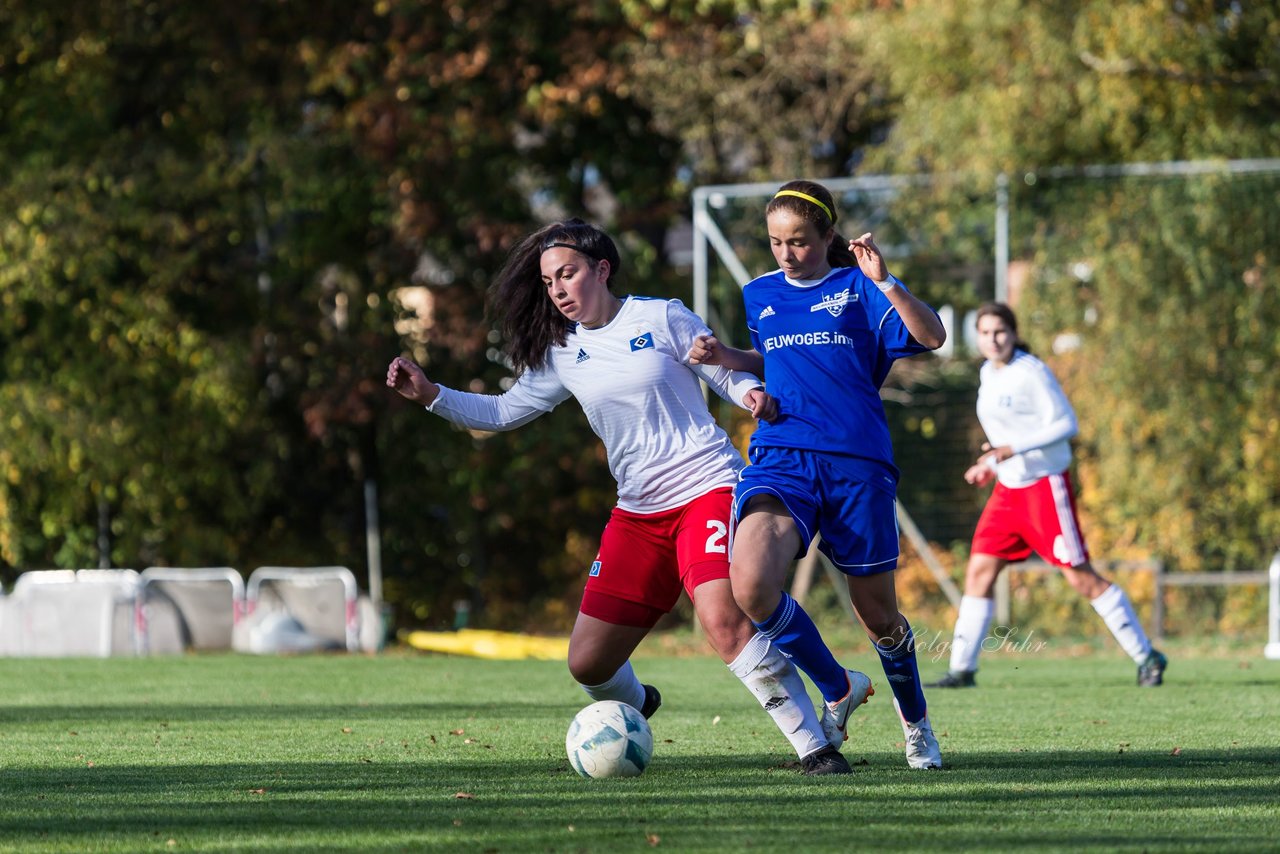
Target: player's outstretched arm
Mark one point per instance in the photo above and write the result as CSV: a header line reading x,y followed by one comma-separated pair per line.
x,y
411,381
709,350
920,320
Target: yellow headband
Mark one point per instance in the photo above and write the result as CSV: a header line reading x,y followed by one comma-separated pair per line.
x,y
808,198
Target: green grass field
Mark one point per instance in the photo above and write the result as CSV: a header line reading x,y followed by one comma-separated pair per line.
x,y
408,752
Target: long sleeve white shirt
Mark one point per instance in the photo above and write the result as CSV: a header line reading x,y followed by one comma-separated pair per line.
x,y
1021,405
641,396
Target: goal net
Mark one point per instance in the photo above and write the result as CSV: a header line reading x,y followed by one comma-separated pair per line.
x,y
180,609
302,609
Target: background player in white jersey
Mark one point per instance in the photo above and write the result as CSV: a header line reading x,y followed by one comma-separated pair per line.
x,y
826,327
626,362
1029,424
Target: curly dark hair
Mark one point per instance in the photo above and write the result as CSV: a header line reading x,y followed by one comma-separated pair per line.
x,y
838,254
527,318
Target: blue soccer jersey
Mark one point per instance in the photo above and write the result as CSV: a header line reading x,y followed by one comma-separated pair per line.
x,y
827,347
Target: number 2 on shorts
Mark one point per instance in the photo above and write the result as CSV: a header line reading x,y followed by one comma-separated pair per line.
x,y
719,533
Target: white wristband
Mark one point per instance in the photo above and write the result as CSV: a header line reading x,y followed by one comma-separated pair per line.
x,y
887,285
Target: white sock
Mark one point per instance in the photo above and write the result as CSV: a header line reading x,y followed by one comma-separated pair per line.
x,y
624,686
776,684
971,630
1116,611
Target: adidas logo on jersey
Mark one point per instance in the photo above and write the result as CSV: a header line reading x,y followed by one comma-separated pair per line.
x,y
582,357
768,312
834,304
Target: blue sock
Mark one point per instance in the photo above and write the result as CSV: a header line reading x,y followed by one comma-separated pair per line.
x,y
899,663
791,631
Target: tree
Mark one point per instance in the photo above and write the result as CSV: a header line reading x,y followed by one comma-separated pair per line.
x,y
121,382
1161,279
758,90
215,221
1011,86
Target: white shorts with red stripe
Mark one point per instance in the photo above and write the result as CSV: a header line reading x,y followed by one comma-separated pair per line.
x,y
1040,518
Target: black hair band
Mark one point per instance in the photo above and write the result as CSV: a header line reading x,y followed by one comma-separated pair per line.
x,y
553,244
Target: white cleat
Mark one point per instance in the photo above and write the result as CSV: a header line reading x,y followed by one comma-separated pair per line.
x,y
835,716
922,748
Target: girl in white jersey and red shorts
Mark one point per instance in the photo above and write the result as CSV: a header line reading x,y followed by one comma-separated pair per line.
x,y
626,362
1029,424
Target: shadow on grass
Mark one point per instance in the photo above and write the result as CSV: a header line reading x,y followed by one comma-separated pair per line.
x,y
250,712
1027,800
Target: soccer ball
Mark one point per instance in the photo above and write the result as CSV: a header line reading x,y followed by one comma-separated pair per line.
x,y
609,739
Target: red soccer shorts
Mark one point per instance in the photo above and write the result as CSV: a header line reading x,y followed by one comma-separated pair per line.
x,y
645,560
1040,518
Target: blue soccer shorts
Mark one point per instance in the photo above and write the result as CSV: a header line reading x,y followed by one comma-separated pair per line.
x,y
848,500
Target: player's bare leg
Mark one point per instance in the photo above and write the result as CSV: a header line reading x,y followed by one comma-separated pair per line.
x,y
599,659
981,573
1085,580
764,544
728,630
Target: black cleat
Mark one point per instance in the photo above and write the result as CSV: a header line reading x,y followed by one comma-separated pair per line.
x,y
955,679
1151,671
652,700
828,760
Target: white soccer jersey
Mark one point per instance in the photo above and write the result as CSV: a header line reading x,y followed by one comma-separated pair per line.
x,y
641,397
1021,405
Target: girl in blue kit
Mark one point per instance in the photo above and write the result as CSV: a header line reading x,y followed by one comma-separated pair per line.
x,y
826,327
